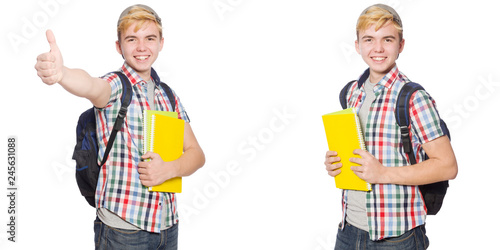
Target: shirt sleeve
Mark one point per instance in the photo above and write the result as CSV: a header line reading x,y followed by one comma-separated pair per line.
x,y
425,119
179,108
116,88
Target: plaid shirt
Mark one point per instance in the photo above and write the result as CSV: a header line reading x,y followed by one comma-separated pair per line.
x,y
119,188
392,209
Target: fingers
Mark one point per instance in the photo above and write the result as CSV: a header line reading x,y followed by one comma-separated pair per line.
x,y
52,41
331,157
144,172
49,65
362,153
331,153
46,57
46,68
356,160
149,155
333,169
332,163
334,173
143,166
357,169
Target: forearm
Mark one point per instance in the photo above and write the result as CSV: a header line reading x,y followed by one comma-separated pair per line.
x,y
192,160
429,171
78,82
440,166
193,157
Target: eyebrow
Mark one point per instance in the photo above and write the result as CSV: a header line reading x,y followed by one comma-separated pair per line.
x,y
148,36
385,37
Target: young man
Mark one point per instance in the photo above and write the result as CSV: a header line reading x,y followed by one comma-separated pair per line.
x,y
128,215
393,214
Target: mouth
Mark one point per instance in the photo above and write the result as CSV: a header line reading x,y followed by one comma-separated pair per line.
x,y
378,58
141,58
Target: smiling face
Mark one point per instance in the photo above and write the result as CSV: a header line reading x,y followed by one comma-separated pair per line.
x,y
140,48
379,49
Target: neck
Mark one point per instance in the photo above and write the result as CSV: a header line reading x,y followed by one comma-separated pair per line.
x,y
146,76
375,77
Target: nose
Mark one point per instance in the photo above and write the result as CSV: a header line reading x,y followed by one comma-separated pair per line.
x,y
141,46
379,46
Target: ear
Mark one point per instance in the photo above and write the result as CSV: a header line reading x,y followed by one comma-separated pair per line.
x,y
161,43
401,45
356,45
118,47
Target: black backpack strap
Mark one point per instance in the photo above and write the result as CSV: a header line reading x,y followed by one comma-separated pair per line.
x,y
170,95
433,194
126,99
343,94
403,116
166,88
171,98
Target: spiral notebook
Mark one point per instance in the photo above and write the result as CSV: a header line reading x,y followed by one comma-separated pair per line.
x,y
164,135
344,135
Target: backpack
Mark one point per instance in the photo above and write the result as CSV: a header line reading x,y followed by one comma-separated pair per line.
x,y
433,194
87,148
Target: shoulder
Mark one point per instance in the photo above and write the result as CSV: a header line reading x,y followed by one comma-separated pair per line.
x,y
112,78
350,88
415,94
116,85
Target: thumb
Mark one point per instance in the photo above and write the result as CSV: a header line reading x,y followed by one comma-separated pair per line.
x,y
149,155
52,41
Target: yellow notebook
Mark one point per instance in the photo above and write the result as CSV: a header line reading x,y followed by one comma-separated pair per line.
x,y
344,134
164,135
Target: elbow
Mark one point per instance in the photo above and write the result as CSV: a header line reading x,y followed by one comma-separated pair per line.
x,y
202,159
192,160
452,171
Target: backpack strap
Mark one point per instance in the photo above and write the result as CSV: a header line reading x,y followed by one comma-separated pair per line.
x,y
403,116
126,99
432,194
170,95
166,88
343,94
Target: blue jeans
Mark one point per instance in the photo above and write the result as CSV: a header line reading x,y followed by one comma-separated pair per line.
x,y
107,237
354,238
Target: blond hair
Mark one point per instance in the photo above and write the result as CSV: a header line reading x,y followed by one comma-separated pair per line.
x,y
379,17
140,16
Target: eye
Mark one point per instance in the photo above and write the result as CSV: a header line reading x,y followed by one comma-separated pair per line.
x,y
151,38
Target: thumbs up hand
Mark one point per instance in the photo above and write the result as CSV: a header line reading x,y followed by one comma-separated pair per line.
x,y
49,66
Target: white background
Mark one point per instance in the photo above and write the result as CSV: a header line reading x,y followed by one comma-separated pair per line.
x,y
255,78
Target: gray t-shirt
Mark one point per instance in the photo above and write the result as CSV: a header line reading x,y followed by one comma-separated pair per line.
x,y
356,200
151,93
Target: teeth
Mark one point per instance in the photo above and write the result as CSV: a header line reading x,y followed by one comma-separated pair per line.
x,y
141,57
378,58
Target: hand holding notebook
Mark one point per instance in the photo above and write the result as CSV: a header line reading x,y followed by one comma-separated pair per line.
x,y
164,135
343,133
153,170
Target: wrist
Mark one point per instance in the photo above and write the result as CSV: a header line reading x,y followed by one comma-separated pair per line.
x,y
387,176
174,167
